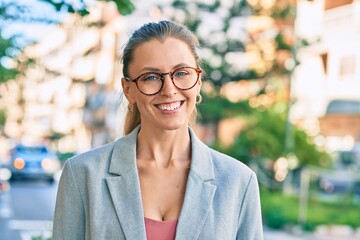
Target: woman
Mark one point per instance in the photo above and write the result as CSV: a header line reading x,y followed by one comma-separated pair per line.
x,y
159,181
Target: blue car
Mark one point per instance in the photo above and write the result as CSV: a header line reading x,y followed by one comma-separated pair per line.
x,y
33,162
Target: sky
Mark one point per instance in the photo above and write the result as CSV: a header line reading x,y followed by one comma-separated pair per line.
x,y
37,8
29,31
32,30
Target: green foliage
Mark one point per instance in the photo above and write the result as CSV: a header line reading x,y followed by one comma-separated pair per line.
x,y
6,73
279,210
214,108
4,44
65,156
124,6
281,43
220,44
12,11
2,117
262,137
216,43
265,138
284,12
42,236
306,151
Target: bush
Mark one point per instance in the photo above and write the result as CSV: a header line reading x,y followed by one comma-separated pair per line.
x,y
279,211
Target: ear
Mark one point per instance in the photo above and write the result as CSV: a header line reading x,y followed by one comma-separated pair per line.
x,y
127,90
199,84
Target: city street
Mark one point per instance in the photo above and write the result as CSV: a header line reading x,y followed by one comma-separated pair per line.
x,y
27,210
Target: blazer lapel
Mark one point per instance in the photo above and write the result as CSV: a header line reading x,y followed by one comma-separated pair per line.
x,y
199,192
124,187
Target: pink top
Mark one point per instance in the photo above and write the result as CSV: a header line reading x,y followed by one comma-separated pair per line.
x,y
160,230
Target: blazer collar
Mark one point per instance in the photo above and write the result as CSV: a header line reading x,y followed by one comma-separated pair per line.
x,y
201,161
124,187
123,157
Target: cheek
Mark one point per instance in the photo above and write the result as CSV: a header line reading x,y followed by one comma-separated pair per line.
x,y
192,97
141,100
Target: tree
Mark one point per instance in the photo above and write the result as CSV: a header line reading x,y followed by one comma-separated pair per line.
x,y
262,142
219,26
264,137
6,72
233,51
20,12
215,108
124,6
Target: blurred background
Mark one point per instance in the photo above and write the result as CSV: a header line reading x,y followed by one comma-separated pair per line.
x,y
281,94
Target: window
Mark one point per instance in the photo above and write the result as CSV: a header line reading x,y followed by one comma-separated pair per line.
x,y
324,58
347,66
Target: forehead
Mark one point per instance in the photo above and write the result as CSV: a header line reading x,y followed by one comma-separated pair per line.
x,y
163,55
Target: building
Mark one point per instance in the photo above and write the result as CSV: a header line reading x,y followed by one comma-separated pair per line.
x,y
326,84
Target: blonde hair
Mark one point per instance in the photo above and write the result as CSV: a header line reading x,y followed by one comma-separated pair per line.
x,y
148,32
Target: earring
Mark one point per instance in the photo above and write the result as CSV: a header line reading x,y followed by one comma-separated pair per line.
x,y
198,99
131,107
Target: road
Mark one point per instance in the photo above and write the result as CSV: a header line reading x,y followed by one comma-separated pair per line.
x,y
26,210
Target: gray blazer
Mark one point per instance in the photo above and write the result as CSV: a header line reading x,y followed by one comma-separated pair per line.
x,y
99,196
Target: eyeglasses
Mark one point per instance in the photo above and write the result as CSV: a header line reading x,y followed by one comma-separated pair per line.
x,y
150,83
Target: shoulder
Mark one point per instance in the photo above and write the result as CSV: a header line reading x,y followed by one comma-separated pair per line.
x,y
98,161
92,157
227,164
210,164
231,171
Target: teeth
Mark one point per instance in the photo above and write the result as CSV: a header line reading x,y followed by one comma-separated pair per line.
x,y
169,107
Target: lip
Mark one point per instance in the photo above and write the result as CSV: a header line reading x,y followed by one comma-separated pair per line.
x,y
169,106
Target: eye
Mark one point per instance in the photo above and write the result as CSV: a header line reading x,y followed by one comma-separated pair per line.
x,y
149,77
181,72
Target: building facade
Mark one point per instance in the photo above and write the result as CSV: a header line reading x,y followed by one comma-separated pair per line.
x,y
326,84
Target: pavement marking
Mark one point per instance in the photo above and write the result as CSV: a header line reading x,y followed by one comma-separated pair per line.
x,y
30,224
5,212
5,207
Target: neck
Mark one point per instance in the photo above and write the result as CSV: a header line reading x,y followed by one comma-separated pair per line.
x,y
164,147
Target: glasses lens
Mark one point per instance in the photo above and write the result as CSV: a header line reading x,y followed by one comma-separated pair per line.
x,y
149,83
185,78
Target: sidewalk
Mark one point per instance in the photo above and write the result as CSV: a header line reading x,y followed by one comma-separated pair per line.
x,y
270,234
279,235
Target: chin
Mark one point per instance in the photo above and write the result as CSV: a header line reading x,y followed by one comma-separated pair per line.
x,y
174,126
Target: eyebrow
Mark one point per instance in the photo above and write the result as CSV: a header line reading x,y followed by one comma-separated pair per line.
x,y
152,69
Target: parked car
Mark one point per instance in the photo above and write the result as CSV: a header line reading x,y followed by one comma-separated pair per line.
x,y
35,162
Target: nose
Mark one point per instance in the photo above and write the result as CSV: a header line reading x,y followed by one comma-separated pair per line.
x,y
168,89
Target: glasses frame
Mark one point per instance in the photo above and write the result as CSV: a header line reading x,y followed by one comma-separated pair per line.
x,y
162,78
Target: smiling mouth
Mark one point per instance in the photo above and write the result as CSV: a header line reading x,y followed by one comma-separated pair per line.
x,y
169,106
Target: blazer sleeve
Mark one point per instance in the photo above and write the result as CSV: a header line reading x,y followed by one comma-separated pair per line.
x,y
69,217
250,220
